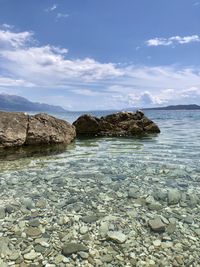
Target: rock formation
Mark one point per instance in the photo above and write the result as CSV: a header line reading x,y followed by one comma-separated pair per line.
x,y
117,124
17,129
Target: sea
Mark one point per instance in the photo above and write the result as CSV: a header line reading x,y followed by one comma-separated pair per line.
x,y
60,185
177,146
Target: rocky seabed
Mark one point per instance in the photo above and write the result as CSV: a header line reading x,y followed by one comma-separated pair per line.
x,y
55,212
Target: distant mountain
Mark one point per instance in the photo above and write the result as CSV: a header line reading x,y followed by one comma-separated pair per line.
x,y
18,103
176,107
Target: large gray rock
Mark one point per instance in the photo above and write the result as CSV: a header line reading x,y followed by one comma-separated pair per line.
x,y
18,129
117,124
45,129
13,128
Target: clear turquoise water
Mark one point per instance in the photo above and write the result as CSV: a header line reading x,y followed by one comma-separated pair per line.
x,y
94,175
176,148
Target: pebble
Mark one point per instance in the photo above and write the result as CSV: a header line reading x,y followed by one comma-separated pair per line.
x,y
83,230
133,192
157,225
116,236
31,255
174,196
157,243
2,213
89,218
33,231
72,248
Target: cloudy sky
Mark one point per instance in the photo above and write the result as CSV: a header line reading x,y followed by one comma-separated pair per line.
x,y
101,54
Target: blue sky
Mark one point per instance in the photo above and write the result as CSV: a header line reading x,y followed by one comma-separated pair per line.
x,y
101,54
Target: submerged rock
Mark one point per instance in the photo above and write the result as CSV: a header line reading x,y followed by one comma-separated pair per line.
x,y
174,196
2,213
116,236
17,129
157,225
73,248
117,124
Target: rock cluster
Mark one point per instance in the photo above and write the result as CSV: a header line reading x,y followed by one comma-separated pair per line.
x,y
117,124
17,129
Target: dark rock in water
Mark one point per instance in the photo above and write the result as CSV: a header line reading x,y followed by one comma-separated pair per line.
x,y
117,124
73,248
87,123
18,129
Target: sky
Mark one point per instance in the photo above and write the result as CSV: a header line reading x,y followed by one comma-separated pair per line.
x,y
101,54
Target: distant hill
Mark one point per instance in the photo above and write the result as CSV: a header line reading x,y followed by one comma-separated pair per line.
x,y
18,103
176,107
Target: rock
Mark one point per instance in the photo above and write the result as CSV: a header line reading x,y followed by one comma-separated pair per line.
x,y
174,196
157,243
13,128
133,192
160,194
34,222
193,200
171,228
83,230
188,219
117,124
4,248
83,255
2,213
14,256
33,231
116,236
28,203
87,124
10,208
17,129
41,203
73,248
103,229
40,249
155,206
197,231
107,258
157,225
45,129
89,218
31,255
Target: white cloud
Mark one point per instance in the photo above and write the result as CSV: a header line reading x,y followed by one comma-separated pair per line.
x,y
47,65
28,65
51,8
9,39
7,81
173,40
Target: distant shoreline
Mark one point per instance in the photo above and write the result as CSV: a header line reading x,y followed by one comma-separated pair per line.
x,y
176,107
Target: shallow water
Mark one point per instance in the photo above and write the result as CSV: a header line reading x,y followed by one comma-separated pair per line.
x,y
94,175
176,147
